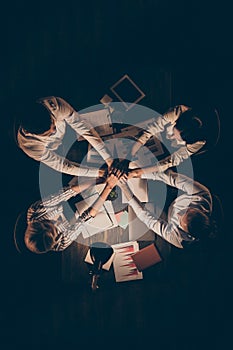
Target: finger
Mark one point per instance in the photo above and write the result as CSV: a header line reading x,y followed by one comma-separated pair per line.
x,y
119,173
113,171
124,177
123,180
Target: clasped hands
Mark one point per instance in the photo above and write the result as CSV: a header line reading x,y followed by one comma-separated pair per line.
x,y
120,168
115,175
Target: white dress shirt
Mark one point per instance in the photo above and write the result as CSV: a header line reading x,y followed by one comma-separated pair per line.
x,y
195,196
51,209
158,126
42,148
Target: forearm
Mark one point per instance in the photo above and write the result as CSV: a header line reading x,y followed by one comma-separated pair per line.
x,y
87,131
173,160
156,127
159,226
179,181
63,165
100,201
83,186
127,191
62,196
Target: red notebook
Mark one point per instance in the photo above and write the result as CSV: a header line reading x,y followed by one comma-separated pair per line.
x,y
146,257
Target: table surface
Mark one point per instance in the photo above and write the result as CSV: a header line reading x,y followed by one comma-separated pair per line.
x,y
75,270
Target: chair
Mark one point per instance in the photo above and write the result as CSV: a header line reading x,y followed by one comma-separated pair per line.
x,y
217,218
215,135
19,230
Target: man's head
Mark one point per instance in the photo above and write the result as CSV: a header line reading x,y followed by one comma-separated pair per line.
x,y
40,236
189,127
196,223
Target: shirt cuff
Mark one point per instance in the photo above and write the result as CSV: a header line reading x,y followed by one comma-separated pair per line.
x,y
90,172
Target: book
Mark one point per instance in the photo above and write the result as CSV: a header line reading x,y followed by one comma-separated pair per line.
x,y
146,257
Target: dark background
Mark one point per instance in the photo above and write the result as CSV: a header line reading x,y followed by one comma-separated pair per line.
x,y
177,52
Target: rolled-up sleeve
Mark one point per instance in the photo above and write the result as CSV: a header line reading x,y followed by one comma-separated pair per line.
x,y
160,227
174,159
63,165
88,133
153,128
180,181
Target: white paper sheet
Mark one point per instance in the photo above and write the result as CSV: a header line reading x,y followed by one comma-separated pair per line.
x,y
124,267
104,220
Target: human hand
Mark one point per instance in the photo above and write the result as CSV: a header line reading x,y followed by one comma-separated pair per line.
x,y
184,108
102,173
109,163
174,113
125,188
57,106
135,173
85,216
120,167
113,179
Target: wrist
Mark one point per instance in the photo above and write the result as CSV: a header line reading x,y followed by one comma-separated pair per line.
x,y
109,161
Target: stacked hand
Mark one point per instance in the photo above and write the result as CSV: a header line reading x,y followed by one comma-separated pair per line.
x,y
116,167
174,113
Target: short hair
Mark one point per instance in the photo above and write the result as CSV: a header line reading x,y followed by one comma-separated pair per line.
x,y
190,127
35,118
39,237
198,223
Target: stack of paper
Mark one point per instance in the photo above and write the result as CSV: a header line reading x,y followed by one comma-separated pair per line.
x,y
123,264
100,120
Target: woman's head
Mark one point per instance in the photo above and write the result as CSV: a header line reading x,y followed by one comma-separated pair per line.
x,y
40,236
189,127
36,119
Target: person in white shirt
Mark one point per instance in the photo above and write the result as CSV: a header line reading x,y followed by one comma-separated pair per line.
x,y
188,216
185,130
48,229
40,135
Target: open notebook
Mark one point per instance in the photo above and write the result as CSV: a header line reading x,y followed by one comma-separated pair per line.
x,y
104,220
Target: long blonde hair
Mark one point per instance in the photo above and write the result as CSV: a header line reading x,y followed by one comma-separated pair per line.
x,y
40,236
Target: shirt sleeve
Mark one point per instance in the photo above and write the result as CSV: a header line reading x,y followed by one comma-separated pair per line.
x,y
153,128
63,165
195,147
37,150
174,159
179,156
179,181
62,196
38,210
88,133
157,126
68,237
160,227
